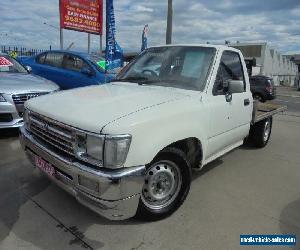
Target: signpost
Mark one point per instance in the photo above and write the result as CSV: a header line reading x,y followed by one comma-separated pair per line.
x,y
82,16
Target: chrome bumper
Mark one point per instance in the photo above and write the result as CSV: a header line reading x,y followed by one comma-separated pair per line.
x,y
114,194
9,107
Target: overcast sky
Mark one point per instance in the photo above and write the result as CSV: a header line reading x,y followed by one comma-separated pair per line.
x,y
195,21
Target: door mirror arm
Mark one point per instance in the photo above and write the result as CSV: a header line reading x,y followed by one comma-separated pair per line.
x,y
226,89
228,96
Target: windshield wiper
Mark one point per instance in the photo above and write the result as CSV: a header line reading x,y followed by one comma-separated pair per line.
x,y
130,79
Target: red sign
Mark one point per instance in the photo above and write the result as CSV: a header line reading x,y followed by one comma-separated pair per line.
x,y
82,15
4,62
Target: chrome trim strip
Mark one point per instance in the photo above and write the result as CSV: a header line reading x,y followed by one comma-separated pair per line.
x,y
51,135
52,144
41,124
54,133
40,131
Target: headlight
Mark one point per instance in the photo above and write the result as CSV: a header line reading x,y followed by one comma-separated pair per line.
x,y
100,150
94,147
88,147
2,99
115,150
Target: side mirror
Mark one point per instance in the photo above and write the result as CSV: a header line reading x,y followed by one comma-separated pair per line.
x,y
86,71
231,87
236,86
28,68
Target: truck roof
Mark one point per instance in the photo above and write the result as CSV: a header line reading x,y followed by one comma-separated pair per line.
x,y
221,47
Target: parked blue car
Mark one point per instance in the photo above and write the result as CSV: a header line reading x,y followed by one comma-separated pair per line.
x,y
68,69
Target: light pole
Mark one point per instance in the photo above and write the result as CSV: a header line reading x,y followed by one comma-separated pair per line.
x,y
169,22
60,33
51,26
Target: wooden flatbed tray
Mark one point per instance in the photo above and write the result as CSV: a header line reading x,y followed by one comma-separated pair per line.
x,y
262,111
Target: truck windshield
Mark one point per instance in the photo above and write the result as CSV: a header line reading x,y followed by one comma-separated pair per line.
x,y
179,67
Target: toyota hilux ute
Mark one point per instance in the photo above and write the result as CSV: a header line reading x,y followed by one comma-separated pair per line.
x,y
129,147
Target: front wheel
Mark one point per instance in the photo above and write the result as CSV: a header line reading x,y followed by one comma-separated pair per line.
x,y
167,183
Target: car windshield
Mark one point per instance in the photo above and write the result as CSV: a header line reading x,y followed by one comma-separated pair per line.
x,y
179,67
10,65
98,62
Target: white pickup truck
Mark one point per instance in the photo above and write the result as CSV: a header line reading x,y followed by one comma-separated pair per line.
x,y
129,147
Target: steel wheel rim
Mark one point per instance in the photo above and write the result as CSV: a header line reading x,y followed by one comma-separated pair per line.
x,y
267,130
163,181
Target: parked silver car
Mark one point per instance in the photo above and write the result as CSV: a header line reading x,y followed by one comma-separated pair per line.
x,y
16,87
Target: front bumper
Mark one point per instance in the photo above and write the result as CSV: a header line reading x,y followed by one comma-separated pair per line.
x,y
9,107
117,192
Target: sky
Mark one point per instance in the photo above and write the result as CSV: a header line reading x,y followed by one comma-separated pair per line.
x,y
194,21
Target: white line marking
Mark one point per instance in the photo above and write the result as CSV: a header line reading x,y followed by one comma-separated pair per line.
x,y
286,101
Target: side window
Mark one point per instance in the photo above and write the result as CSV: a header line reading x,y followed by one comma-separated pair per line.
x,y
230,69
54,59
74,63
41,58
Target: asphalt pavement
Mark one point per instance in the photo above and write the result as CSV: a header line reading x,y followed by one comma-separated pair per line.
x,y
248,191
289,97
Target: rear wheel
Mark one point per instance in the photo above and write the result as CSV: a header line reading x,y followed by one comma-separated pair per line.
x,y
260,133
167,183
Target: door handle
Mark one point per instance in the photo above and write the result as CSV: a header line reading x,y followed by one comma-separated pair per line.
x,y
246,102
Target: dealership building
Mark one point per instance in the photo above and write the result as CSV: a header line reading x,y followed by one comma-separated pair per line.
x,y
261,59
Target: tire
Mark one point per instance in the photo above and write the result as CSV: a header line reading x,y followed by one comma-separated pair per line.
x,y
260,133
167,184
258,97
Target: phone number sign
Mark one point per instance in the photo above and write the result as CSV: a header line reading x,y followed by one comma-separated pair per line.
x,y
82,15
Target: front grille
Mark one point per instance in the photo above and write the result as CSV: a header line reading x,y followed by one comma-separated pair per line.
x,y
6,117
52,133
21,98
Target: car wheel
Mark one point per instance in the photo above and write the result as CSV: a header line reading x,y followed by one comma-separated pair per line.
x,y
167,184
258,97
260,133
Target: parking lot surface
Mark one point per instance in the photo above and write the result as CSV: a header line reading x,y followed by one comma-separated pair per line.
x,y
248,191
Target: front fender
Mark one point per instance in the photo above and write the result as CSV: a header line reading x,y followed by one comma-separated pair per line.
x,y
154,129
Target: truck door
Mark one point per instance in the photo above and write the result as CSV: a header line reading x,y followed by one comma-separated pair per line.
x,y
219,109
241,105
229,120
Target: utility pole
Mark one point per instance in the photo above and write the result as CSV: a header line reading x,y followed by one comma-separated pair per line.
x,y
89,43
101,45
60,33
169,22
61,38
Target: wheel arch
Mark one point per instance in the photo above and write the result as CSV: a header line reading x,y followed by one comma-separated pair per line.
x,y
191,146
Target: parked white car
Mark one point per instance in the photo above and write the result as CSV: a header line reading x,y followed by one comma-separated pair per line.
x,y
17,86
129,147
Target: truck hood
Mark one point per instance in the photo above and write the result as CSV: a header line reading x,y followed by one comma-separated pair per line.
x,y
91,108
23,83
